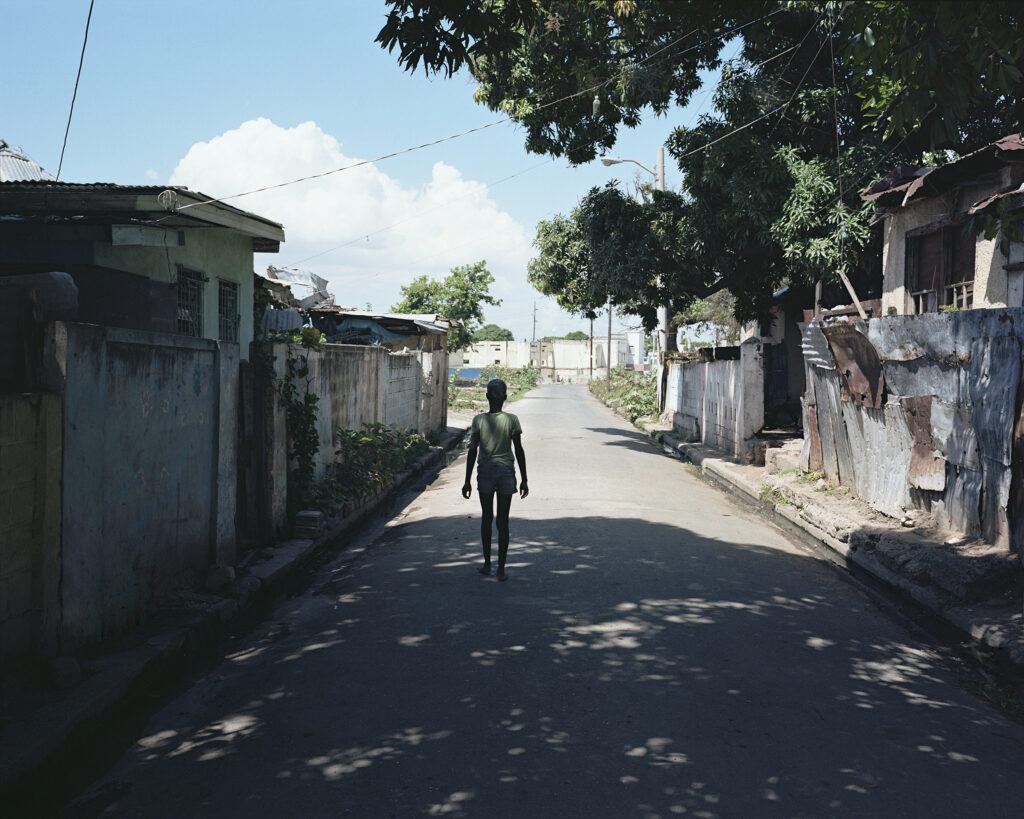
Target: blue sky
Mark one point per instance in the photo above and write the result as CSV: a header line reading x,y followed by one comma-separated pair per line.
x,y
227,96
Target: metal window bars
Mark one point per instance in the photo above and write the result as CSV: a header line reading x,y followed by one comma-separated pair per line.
x,y
190,302
227,311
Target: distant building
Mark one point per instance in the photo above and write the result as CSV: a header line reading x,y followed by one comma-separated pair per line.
x,y
557,359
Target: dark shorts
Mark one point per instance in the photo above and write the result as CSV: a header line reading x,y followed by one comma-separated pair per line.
x,y
494,477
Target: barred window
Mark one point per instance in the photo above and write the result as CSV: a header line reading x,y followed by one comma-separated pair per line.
x,y
190,302
227,310
940,269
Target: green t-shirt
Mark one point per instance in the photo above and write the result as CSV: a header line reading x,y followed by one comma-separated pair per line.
x,y
495,430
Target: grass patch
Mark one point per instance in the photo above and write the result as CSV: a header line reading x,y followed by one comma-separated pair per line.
x,y
464,394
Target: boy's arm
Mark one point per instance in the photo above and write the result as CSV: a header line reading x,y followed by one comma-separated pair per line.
x,y
517,443
474,445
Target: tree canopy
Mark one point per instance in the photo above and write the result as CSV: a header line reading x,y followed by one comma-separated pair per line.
x,y
460,295
941,65
822,99
492,332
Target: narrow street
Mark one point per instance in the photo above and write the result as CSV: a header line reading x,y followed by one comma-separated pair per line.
x,y
657,651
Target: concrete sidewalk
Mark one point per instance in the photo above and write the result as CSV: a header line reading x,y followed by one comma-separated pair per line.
x,y
971,586
38,734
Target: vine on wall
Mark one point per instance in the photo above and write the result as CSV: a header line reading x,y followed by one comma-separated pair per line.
x,y
301,409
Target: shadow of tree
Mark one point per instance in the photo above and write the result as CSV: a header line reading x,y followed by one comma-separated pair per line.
x,y
629,668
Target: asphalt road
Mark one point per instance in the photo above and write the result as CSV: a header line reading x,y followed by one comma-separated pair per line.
x,y
657,651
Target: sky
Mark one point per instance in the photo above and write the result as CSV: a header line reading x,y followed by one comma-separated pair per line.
x,y
225,97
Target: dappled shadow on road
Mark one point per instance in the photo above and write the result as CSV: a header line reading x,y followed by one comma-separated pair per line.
x,y
625,438
628,668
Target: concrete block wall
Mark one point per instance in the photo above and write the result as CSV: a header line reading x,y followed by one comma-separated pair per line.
x,y
402,391
433,414
30,486
356,385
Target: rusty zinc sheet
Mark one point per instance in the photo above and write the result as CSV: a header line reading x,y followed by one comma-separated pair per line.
x,y
927,469
858,364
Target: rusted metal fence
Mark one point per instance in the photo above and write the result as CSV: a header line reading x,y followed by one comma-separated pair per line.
x,y
922,412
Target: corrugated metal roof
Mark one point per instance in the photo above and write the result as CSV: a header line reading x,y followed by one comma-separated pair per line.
x,y
17,166
899,188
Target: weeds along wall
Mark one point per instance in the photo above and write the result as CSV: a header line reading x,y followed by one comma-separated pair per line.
x,y
357,384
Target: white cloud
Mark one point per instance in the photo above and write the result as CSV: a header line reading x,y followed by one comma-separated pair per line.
x,y
392,232
151,174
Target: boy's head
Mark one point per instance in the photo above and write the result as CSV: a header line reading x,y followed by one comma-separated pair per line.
x,y
497,391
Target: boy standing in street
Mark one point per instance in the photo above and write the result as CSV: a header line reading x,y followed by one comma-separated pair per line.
x,y
493,435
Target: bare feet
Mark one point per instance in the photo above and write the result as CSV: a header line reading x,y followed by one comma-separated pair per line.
x,y
502,576
485,569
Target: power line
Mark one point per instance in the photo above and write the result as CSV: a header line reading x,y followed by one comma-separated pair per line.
x,y
746,125
78,76
541,107
810,65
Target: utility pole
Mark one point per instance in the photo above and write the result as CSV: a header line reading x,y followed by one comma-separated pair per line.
x,y
608,358
591,349
533,339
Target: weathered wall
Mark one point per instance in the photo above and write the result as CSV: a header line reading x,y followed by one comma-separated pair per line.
x,y
433,413
355,385
402,391
719,403
944,433
127,274
147,419
990,279
30,464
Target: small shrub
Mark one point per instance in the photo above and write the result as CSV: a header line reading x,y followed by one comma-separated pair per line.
x,y
367,459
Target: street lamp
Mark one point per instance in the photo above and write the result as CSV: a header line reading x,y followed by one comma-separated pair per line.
x,y
659,183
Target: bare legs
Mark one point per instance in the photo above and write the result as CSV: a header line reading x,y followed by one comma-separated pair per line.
x,y
486,522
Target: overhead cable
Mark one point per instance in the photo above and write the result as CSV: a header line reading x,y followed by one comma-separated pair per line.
x,y
78,76
541,107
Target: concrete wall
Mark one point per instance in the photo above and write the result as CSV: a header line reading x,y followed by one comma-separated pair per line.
x,y
719,403
433,413
30,522
148,470
946,435
355,385
402,391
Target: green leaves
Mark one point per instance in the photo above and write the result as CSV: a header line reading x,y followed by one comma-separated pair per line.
x,y
492,332
460,296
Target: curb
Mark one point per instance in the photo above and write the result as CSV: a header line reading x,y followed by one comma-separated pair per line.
x,y
44,740
995,630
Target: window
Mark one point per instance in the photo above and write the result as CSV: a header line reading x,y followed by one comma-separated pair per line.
x,y
497,361
940,269
190,302
227,311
